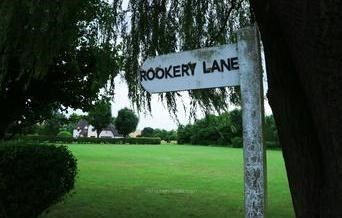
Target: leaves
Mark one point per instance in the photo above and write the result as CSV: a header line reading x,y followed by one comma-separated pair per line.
x,y
100,115
54,53
163,26
126,121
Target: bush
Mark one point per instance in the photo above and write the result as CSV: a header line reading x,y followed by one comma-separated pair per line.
x,y
34,177
147,132
64,134
237,142
210,130
184,134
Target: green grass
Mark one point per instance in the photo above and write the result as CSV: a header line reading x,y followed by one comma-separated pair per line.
x,y
167,181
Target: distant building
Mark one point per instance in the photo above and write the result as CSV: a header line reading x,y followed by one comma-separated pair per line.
x,y
84,129
135,134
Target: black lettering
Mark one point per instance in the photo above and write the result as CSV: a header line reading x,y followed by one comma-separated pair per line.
x,y
150,74
142,75
234,63
157,73
225,64
185,69
216,66
192,68
167,72
205,70
176,71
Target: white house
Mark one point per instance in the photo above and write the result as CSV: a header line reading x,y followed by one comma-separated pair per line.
x,y
84,129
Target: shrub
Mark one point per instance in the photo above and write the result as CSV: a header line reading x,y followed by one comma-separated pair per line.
x,y
184,134
33,177
211,130
144,140
64,134
147,132
237,142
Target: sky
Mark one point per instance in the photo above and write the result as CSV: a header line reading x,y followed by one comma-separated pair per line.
x,y
160,117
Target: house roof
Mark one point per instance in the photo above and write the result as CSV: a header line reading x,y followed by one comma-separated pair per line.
x,y
81,124
135,134
112,128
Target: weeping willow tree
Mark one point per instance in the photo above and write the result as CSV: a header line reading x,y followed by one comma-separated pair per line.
x,y
162,26
71,49
54,52
303,50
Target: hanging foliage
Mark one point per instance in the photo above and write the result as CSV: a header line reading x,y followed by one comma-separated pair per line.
x,y
158,27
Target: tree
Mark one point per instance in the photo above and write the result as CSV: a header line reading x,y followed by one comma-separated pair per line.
x,y
147,132
100,115
270,132
53,125
302,47
126,121
211,130
236,120
184,134
72,121
53,53
164,134
205,131
303,54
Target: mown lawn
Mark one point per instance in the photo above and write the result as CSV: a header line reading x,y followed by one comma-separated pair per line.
x,y
166,181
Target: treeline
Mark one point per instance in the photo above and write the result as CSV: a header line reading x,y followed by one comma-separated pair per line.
x,y
163,134
57,125
224,130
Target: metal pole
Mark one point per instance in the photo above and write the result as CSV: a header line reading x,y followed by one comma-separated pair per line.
x,y
252,119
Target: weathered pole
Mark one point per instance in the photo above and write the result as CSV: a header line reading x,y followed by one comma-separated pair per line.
x,y
252,119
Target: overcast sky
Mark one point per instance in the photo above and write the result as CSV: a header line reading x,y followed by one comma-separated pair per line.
x,y
160,116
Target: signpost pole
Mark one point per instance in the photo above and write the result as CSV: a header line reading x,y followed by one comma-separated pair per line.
x,y
228,65
252,119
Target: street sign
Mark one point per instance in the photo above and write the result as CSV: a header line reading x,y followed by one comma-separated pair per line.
x,y
196,69
229,65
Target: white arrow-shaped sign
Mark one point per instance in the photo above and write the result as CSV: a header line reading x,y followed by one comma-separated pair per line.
x,y
196,69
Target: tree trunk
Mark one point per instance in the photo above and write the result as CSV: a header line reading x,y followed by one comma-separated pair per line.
x,y
303,48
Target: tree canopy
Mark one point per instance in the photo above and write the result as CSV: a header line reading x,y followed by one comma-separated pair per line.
x,y
53,53
147,132
160,27
126,121
71,49
100,115
57,53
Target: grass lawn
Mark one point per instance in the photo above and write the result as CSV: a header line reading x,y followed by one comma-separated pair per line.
x,y
166,181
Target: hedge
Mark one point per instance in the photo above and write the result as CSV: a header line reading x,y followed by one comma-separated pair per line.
x,y
33,177
49,139
144,140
